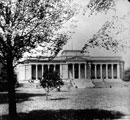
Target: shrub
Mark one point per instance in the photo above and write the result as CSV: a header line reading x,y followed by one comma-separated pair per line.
x,y
126,76
51,80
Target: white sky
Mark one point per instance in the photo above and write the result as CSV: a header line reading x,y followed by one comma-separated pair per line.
x,y
87,26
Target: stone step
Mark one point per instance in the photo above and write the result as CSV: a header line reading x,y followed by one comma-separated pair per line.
x,y
107,80
101,85
82,83
30,85
110,84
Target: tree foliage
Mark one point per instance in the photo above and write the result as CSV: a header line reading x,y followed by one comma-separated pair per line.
x,y
108,37
25,24
51,80
96,6
126,76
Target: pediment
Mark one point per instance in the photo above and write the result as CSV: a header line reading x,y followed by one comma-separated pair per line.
x,y
76,58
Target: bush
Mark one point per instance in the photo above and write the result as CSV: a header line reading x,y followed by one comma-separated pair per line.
x,y
51,80
126,76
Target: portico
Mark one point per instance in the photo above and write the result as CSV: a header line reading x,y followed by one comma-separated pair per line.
x,y
79,70
74,65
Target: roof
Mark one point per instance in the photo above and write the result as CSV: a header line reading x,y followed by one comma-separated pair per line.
x,y
74,55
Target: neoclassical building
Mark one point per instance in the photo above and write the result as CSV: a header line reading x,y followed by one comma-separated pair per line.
x,y
72,64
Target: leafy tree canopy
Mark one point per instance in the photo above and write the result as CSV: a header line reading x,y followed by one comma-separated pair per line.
x,y
51,80
24,24
96,6
111,35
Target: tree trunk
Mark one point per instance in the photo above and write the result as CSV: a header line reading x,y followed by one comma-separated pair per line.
x,y
11,90
46,95
47,92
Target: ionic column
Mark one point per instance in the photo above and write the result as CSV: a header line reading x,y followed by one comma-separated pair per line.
x,y
118,71
61,70
95,71
106,71
100,71
25,72
73,70
36,72
67,73
85,70
55,67
112,71
31,72
42,70
48,66
123,67
79,71
89,72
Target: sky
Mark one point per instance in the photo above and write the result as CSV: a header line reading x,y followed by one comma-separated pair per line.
x,y
89,25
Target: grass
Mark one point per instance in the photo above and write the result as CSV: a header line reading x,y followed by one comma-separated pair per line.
x,y
78,104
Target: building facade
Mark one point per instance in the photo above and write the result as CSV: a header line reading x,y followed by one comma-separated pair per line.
x,y
72,64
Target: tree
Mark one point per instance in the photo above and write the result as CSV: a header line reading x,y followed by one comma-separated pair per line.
x,y
109,36
51,80
24,24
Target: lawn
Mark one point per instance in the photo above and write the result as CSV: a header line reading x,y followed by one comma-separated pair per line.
x,y
73,104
